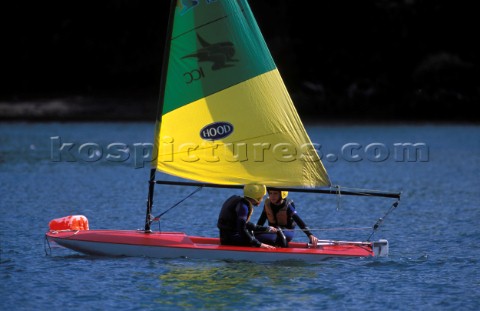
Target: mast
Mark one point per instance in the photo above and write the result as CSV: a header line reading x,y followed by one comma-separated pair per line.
x,y
166,53
151,187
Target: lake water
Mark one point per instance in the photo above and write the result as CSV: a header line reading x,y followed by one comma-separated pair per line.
x,y
433,234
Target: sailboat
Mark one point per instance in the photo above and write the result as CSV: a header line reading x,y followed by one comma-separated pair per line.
x,y
225,119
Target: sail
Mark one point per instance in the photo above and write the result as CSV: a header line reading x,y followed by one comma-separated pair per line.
x,y
225,115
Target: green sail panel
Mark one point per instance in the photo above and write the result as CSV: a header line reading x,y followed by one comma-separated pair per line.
x,y
214,45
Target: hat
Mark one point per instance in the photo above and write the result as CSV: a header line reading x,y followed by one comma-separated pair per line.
x,y
254,191
283,194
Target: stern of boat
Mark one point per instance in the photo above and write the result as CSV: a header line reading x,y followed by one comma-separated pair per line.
x,y
380,248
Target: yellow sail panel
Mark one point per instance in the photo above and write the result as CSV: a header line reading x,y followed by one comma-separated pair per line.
x,y
247,133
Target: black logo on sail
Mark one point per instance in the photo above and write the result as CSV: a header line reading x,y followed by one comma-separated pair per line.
x,y
220,54
216,130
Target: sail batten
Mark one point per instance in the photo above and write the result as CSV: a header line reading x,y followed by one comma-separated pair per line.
x,y
227,117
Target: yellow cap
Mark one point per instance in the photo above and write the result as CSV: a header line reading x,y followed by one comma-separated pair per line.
x,y
254,191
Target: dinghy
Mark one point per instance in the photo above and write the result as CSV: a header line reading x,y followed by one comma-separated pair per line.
x,y
225,119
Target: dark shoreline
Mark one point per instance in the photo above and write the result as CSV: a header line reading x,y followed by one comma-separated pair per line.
x,y
130,109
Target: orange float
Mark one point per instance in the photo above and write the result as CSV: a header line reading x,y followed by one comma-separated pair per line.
x,y
72,222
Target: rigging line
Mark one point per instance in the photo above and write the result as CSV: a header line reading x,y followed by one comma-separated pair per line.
x,y
363,189
157,218
381,219
329,229
339,197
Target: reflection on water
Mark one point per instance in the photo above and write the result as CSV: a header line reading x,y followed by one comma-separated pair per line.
x,y
223,284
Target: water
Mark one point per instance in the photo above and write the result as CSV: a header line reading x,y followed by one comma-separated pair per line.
x,y
433,234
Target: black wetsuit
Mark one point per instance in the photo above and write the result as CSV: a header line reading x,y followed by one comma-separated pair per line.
x,y
233,222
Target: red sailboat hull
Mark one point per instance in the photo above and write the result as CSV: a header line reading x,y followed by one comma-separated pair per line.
x,y
178,245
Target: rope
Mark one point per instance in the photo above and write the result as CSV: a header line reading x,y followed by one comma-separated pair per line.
x,y
329,229
339,197
340,229
157,218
